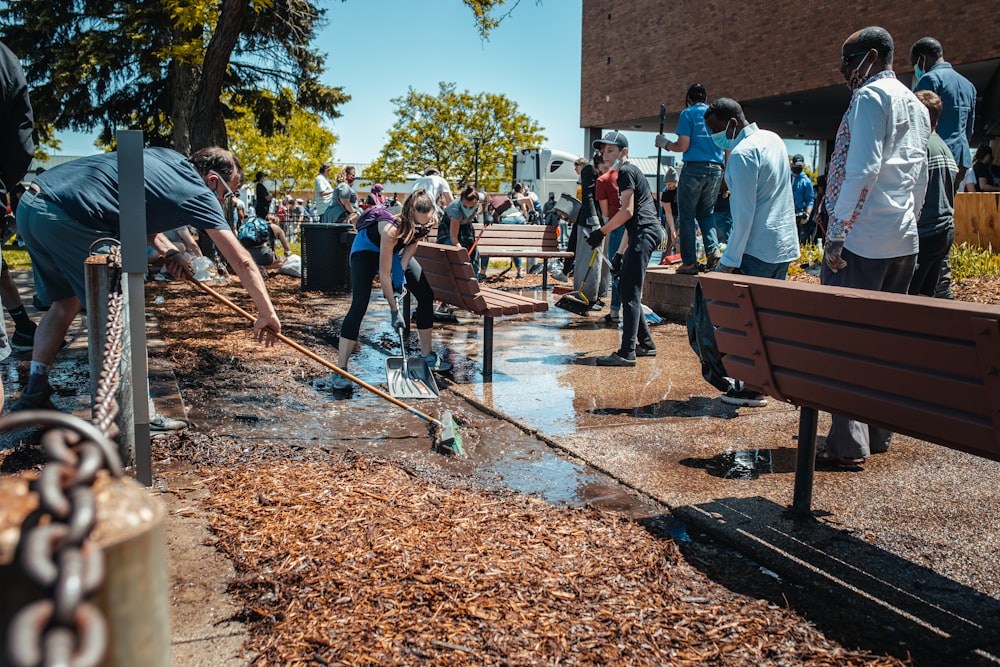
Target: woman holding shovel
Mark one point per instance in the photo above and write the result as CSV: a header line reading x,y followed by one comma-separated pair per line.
x,y
384,248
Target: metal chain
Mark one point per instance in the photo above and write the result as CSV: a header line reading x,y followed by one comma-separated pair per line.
x,y
57,554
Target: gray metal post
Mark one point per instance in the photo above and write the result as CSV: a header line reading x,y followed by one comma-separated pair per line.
x,y
805,462
132,204
98,289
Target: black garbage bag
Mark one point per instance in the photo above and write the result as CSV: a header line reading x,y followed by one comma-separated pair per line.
x,y
701,336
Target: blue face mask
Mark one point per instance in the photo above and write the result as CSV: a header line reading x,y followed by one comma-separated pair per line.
x,y
469,211
722,141
918,71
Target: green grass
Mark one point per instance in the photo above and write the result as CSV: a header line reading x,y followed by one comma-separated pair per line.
x,y
17,258
970,262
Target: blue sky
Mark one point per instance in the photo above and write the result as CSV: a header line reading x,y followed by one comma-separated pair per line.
x,y
377,49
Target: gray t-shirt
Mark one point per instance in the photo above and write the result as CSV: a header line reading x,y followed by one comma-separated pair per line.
x,y
87,190
342,191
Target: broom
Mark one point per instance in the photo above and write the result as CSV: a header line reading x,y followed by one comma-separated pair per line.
x,y
577,302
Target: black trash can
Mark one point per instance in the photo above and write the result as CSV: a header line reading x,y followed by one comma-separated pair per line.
x,y
326,253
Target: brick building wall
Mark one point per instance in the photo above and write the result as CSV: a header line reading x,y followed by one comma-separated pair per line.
x,y
638,54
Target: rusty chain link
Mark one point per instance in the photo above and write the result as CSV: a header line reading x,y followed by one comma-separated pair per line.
x,y
57,554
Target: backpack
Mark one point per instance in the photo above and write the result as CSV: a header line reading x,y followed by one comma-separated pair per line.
x,y
254,232
372,216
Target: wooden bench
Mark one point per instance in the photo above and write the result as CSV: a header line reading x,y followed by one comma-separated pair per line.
x,y
532,241
453,280
927,368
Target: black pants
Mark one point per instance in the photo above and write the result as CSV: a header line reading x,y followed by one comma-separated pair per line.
x,y
364,265
634,327
934,251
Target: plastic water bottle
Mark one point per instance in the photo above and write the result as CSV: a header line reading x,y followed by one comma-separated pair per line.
x,y
158,300
202,267
699,247
221,273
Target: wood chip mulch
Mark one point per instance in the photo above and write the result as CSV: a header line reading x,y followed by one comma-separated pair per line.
x,y
358,561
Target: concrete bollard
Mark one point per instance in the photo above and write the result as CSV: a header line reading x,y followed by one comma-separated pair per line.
x,y
133,597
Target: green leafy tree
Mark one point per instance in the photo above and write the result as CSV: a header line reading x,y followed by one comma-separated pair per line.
x,y
291,154
164,66
439,131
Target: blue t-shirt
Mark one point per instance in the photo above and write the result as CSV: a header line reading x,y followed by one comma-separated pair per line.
x,y
87,190
692,124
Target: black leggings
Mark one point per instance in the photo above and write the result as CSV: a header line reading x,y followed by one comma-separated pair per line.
x,y
364,265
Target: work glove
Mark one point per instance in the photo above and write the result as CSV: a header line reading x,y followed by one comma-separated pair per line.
x,y
831,254
801,217
661,141
616,264
397,320
596,238
722,268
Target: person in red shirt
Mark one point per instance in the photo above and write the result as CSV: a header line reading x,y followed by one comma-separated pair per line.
x,y
606,194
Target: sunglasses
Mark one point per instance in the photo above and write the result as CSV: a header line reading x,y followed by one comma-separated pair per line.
x,y
846,59
229,191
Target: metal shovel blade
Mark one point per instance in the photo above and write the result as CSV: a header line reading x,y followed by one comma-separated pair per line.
x,y
410,378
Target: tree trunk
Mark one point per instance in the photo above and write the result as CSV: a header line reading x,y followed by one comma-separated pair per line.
x,y
183,89
208,128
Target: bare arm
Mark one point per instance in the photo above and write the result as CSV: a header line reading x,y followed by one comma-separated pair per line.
x,y
386,250
280,236
624,214
239,259
681,145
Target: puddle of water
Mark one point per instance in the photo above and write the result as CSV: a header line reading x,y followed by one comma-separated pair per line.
x,y
695,406
745,464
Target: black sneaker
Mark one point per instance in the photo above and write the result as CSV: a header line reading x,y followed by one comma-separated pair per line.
x,y
614,359
745,398
22,341
645,350
38,400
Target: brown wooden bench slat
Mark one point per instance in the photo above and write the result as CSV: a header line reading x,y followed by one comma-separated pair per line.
x,y
928,368
453,280
958,393
513,304
969,433
853,306
946,356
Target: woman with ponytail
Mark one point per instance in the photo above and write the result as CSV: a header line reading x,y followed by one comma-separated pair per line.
x,y
384,248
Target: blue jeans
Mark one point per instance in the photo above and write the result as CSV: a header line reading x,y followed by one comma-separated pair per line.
x,y
751,266
614,240
723,223
697,191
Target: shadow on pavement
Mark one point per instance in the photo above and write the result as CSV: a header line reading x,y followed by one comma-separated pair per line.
x,y
855,592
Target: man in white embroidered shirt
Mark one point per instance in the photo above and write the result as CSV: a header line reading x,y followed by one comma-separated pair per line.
x,y
764,238
878,174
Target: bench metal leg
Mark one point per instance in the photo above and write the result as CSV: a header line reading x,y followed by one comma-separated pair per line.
x,y
545,273
805,462
487,349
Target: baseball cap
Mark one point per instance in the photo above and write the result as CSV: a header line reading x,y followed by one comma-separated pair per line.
x,y
612,137
798,159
